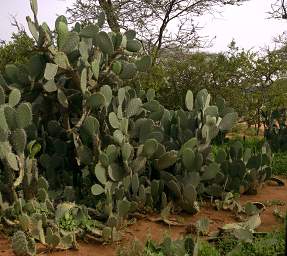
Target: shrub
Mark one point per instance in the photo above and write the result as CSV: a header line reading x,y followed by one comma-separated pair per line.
x,y
271,244
279,164
207,249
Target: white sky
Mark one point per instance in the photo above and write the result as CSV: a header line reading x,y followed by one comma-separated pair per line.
x,y
247,24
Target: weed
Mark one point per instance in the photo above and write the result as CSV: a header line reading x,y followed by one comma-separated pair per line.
x,y
279,215
270,245
279,164
207,249
273,202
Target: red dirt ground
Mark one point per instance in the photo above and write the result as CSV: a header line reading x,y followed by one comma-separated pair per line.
x,y
144,228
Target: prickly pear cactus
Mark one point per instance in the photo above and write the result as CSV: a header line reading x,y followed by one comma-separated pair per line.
x,y
246,171
22,245
16,117
69,119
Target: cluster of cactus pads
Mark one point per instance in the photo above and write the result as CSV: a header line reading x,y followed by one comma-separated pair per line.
x,y
15,121
38,218
67,115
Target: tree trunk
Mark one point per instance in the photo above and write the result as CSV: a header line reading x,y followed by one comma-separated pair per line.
x,y
111,15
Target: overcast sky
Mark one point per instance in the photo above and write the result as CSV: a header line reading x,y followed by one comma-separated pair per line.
x,y
247,24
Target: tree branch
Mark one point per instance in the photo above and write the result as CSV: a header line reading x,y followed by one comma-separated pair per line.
x,y
111,15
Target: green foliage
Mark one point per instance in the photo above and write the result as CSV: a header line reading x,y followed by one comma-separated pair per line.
x,y
272,244
207,249
17,51
232,74
23,246
167,247
279,164
254,143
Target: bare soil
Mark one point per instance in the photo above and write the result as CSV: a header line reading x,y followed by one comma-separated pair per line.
x,y
145,228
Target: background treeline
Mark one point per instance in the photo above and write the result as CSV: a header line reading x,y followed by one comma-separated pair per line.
x,y
253,83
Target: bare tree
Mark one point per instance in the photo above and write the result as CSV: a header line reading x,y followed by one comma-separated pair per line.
x,y
15,23
279,9
159,23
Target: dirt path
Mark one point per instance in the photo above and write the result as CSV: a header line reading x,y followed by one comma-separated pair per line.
x,y
145,228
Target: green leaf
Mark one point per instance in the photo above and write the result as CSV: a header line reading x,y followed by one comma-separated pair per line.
x,y
134,107
210,172
59,19
104,42
97,189
150,147
135,183
189,194
12,161
108,94
19,140
10,117
91,126
128,70
52,240
188,158
84,80
130,34
243,235
189,100
12,71
84,50
115,171
50,86
50,71
114,121
96,64
89,31
62,60
220,156
32,27
133,45
96,100
123,207
2,95
117,67
202,226
101,173
127,150
62,98
24,115
174,187
121,95
85,155
104,159
124,125
166,160
36,66
144,63
62,33
71,42
118,136
34,6
14,97
228,121
33,148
